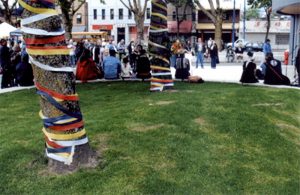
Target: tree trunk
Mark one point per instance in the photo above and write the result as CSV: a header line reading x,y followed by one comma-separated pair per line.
x,y
178,22
159,48
268,25
67,147
139,20
68,24
218,32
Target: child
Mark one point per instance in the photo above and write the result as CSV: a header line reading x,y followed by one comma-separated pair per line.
x,y
125,68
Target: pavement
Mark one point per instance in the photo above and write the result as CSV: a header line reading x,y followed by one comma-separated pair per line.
x,y
225,72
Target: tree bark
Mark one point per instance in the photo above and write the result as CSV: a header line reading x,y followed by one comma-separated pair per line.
x,y
68,25
139,20
218,32
60,82
268,25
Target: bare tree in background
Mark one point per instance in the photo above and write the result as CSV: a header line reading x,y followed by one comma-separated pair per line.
x,y
7,8
139,10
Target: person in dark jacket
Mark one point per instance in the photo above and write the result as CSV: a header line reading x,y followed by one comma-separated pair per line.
x,y
214,55
182,68
130,53
5,63
273,74
142,64
249,68
24,74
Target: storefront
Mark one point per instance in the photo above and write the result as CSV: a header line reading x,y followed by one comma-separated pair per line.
x,y
290,7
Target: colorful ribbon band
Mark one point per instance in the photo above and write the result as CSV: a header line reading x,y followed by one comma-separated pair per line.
x,y
37,10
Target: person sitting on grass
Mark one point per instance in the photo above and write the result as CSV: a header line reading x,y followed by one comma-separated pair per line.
x,y
273,75
125,68
87,68
249,68
111,66
142,64
182,68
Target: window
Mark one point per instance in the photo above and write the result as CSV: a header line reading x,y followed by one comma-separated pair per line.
x,y
282,39
79,18
129,14
148,14
174,16
95,14
111,14
120,14
103,14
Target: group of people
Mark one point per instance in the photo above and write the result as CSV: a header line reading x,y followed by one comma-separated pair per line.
x,y
14,64
109,60
201,49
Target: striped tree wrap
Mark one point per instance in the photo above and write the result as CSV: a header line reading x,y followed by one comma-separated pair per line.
x,y
159,48
65,135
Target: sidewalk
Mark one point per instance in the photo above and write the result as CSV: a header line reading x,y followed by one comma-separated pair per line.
x,y
225,72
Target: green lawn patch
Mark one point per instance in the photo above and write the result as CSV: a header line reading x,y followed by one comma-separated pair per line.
x,y
199,139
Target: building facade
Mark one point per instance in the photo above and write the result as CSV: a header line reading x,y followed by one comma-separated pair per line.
x,y
292,8
205,28
116,19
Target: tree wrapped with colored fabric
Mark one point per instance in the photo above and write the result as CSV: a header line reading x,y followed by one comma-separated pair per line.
x,y
159,45
67,146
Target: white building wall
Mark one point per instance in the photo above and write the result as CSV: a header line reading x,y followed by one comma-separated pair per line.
x,y
116,22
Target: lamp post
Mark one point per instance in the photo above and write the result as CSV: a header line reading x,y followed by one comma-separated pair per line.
x,y
244,21
233,24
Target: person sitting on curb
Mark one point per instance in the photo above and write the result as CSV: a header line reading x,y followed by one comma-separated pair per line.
x,y
249,68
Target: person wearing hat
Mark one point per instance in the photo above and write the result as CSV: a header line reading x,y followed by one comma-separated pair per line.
x,y
111,66
249,68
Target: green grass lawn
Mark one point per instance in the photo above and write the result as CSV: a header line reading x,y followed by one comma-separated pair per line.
x,y
200,139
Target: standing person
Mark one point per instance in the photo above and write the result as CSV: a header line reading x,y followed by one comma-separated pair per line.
x,y
5,64
130,49
214,55
210,42
239,52
110,45
121,49
249,69
72,56
97,50
267,47
199,49
24,73
176,49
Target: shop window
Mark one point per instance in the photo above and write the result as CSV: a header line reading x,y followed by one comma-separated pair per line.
x,y
79,18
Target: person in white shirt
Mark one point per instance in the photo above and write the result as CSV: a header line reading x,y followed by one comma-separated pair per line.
x,y
72,48
126,69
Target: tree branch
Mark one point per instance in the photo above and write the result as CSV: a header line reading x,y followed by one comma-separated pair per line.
x,y
212,7
212,17
79,6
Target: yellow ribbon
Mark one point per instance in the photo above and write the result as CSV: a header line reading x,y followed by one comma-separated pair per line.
x,y
160,16
160,68
159,5
64,137
48,52
37,10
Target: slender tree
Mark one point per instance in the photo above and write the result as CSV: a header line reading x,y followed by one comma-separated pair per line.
x,y
7,8
267,6
216,15
139,10
180,17
67,146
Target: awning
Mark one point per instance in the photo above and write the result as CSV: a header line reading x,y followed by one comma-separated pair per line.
x,y
78,28
185,27
211,26
102,27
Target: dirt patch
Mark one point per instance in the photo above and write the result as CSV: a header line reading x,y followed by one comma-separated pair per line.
x,y
290,132
200,121
267,104
161,103
139,127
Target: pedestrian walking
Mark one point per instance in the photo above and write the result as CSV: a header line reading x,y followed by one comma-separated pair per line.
x,y
199,49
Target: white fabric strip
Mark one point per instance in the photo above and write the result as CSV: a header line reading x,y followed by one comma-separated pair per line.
x,y
161,74
36,18
34,31
71,143
50,68
157,31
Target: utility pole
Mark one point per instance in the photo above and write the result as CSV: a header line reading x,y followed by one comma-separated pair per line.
x,y
244,21
233,25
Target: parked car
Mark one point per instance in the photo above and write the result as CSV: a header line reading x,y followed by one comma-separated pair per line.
x,y
254,46
237,42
